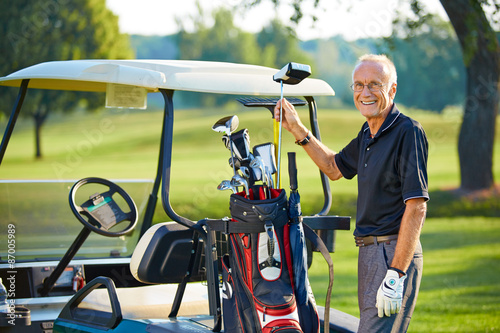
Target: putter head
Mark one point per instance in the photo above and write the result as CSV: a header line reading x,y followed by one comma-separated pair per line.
x,y
226,125
292,73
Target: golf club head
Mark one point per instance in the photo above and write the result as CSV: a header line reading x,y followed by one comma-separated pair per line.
x,y
226,185
228,142
245,172
226,125
237,180
239,142
266,152
256,166
237,163
292,73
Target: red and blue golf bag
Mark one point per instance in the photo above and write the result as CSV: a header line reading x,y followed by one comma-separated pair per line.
x,y
258,287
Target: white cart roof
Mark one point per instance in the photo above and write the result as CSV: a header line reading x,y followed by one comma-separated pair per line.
x,y
199,76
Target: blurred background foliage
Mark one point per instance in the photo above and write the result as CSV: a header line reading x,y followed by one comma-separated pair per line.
x,y
37,31
432,71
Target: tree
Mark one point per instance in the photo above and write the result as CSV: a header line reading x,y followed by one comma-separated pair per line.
x,y
274,46
281,42
481,56
220,41
39,31
427,62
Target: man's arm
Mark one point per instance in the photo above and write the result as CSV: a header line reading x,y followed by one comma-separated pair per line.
x,y
409,233
317,151
390,292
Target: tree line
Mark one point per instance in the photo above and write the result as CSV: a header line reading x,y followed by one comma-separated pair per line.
x,y
439,63
431,74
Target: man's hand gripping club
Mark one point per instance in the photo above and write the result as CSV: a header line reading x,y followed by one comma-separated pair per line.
x,y
291,121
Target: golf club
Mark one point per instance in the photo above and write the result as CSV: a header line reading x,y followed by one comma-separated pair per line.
x,y
237,180
227,125
226,185
269,178
241,144
291,73
266,152
237,163
256,168
245,172
258,163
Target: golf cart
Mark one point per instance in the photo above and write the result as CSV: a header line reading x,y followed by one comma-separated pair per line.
x,y
139,277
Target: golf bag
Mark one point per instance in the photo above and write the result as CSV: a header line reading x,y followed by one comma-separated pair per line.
x,y
258,289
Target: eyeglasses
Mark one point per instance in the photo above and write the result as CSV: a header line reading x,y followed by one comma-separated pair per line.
x,y
372,86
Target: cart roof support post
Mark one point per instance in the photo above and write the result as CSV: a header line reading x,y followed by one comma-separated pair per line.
x,y
167,140
13,117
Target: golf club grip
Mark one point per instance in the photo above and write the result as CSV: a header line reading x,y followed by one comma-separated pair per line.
x,y
292,171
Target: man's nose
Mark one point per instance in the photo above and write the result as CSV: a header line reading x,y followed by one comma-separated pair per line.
x,y
366,91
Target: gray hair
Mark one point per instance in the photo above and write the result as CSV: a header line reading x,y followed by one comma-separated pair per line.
x,y
381,59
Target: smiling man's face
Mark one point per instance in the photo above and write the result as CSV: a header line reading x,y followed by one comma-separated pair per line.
x,y
373,104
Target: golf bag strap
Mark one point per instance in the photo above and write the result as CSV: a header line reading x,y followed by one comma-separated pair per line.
x,y
232,227
320,246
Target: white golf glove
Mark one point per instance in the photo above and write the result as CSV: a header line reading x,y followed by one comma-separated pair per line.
x,y
390,294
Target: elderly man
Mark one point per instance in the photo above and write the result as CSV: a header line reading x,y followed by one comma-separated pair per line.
x,y
389,156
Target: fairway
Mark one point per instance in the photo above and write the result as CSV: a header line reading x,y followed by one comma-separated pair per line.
x,y
125,144
460,290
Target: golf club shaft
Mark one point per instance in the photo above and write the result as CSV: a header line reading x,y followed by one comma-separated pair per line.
x,y
232,154
278,177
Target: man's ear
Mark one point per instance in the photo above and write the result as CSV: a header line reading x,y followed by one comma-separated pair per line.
x,y
392,90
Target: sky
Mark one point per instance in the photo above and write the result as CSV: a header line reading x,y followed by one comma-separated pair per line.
x,y
353,20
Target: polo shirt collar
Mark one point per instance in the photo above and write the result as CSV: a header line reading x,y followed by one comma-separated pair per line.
x,y
388,122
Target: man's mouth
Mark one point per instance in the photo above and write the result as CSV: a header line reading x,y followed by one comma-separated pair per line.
x,y
368,103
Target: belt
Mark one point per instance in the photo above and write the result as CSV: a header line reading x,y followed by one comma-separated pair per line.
x,y
369,240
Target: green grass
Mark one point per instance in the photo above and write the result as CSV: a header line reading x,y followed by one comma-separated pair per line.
x,y
461,238
125,144
460,291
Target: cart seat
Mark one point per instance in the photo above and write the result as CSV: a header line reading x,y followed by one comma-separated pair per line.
x,y
161,259
163,253
151,302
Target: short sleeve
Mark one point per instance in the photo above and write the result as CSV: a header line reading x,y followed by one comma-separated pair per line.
x,y
413,164
347,159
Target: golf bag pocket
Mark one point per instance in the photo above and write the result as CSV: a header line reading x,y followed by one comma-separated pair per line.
x,y
231,319
282,326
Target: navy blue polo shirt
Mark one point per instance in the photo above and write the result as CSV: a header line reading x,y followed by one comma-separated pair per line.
x,y
391,168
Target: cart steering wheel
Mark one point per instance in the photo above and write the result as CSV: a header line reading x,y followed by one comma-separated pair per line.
x,y
101,210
